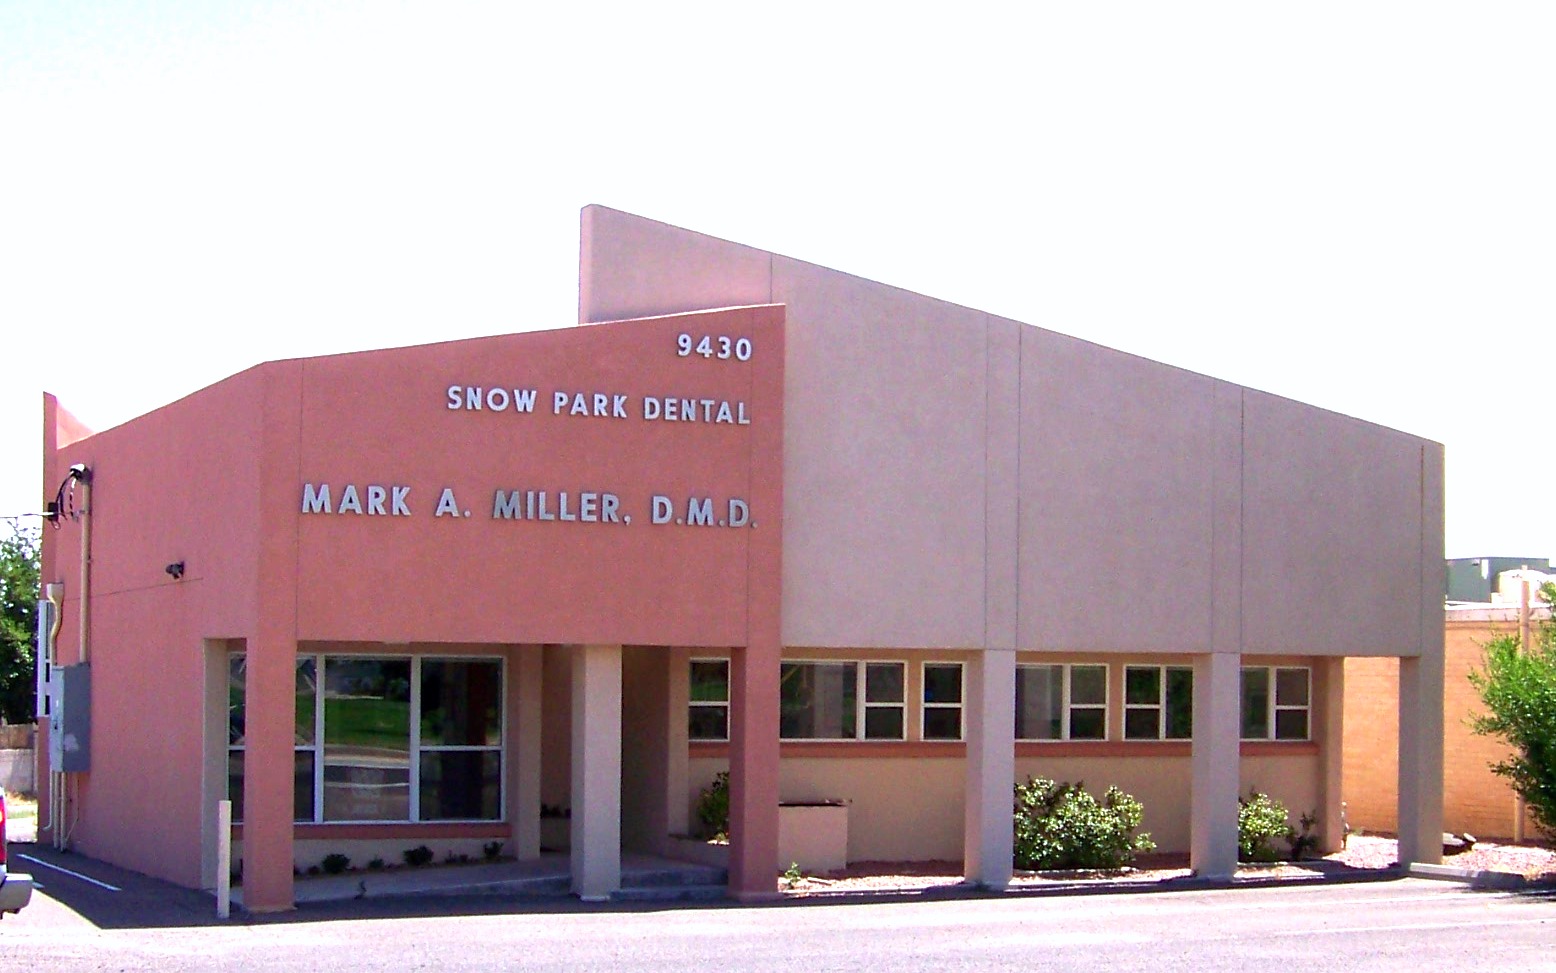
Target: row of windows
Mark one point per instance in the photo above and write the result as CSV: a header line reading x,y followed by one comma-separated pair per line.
x,y
868,701
386,739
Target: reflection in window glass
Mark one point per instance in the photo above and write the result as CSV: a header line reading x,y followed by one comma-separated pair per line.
x,y
461,703
817,701
461,785
1039,702
1255,704
367,739
708,712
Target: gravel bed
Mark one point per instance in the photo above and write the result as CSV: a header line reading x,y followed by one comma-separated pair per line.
x,y
1536,861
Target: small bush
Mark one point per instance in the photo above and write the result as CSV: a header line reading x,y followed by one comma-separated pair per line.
x,y
1061,826
713,807
418,856
492,850
1261,822
376,865
335,863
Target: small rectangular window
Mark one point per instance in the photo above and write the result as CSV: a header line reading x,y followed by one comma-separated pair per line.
x,y
1276,702
942,701
708,711
1158,702
1061,702
822,701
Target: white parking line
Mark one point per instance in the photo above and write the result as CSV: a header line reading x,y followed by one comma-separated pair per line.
x,y
84,878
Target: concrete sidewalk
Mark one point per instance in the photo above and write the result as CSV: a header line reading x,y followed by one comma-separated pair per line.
x,y
643,877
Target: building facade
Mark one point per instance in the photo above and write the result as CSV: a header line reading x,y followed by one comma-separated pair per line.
x,y
847,542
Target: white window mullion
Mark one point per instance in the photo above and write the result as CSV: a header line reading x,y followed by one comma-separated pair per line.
x,y
415,727
318,738
861,691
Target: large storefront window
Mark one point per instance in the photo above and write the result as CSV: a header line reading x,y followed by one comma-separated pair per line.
x,y
359,755
303,760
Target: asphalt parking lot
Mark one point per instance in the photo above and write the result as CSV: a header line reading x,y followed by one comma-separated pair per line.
x,y
91,916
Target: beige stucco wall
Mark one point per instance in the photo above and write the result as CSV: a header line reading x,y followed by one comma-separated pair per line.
x,y
1159,510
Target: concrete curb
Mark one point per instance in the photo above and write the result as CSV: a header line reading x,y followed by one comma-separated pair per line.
x,y
1475,878
1123,887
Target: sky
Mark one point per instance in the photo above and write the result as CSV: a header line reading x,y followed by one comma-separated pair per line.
x,y
1350,204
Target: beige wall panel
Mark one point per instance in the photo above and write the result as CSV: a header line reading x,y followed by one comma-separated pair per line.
x,y
1331,533
1293,780
884,491
632,267
1116,458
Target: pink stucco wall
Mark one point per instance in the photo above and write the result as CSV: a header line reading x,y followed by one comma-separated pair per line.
x,y
216,480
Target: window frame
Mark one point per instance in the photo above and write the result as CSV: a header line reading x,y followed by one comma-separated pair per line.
x,y
415,747
1067,706
1160,705
1273,706
959,706
862,704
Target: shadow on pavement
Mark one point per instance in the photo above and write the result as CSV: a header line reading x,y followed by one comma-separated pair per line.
x,y
114,898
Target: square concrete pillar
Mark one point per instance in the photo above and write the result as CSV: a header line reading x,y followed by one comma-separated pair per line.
x,y
1217,728
753,772
989,701
1329,691
524,729
1421,759
269,779
596,822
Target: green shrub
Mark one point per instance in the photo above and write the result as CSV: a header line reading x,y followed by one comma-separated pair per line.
x,y
1261,822
492,850
1517,685
420,855
335,863
1062,826
713,807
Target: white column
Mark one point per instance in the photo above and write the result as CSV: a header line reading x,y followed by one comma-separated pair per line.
x,y
596,822
1217,727
989,705
1421,759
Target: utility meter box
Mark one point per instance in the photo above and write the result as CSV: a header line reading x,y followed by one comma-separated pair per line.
x,y
70,719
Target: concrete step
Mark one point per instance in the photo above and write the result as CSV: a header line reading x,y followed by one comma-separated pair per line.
x,y
671,893
676,876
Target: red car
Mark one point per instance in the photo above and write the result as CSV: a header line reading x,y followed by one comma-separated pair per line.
x,y
15,890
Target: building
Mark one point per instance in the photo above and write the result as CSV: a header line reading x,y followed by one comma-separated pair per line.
x,y
1473,579
1475,800
447,585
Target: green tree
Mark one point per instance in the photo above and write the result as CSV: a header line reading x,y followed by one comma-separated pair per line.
x,y
1518,687
18,621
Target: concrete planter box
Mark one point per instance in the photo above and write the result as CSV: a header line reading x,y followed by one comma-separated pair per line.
x,y
813,836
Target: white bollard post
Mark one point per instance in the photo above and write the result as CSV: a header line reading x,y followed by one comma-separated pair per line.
x,y
223,859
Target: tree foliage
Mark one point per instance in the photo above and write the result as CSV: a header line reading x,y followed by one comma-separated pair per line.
x,y
1518,688
19,551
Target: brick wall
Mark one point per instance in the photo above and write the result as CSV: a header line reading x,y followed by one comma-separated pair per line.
x,y
1474,799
